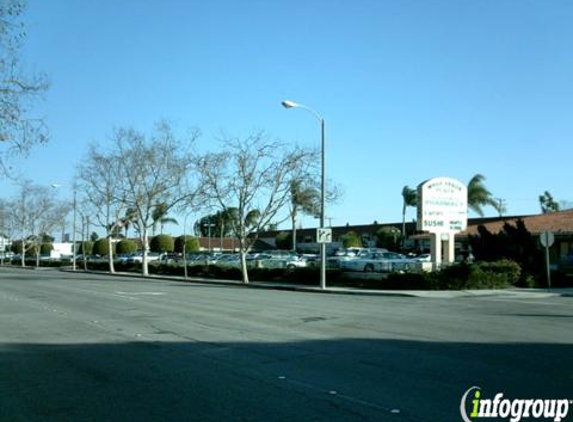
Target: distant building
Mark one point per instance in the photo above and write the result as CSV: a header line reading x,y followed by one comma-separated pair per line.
x,y
560,223
5,243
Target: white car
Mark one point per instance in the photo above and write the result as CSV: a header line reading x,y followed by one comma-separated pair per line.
x,y
229,261
343,255
425,257
151,256
378,262
283,261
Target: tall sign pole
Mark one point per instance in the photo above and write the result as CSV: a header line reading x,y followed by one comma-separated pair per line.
x,y
547,239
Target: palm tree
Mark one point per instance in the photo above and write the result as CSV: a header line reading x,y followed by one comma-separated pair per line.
x,y
479,195
227,221
410,199
159,215
303,199
128,220
548,204
252,218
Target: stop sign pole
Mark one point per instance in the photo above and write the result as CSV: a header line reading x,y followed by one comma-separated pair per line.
x,y
547,239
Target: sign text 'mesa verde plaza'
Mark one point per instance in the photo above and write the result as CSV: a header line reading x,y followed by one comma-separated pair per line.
x,y
442,211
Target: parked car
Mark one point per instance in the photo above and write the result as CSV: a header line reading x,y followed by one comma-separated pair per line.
x,y
123,257
378,262
6,255
425,257
196,259
229,261
283,261
170,258
138,257
342,255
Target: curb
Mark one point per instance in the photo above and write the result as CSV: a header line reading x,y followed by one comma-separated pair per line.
x,y
427,294
256,285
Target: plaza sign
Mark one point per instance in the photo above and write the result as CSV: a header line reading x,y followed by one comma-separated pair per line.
x,y
442,206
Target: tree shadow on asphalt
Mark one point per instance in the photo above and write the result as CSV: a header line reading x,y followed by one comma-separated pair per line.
x,y
157,379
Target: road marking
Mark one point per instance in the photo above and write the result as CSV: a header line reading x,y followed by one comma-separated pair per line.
x,y
526,301
341,396
141,293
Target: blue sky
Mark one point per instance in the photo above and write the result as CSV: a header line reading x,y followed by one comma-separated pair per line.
x,y
410,89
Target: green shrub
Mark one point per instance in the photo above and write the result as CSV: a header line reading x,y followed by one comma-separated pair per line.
x,y
351,240
162,243
283,240
388,238
46,248
126,246
101,247
406,281
191,244
506,268
17,247
86,247
561,279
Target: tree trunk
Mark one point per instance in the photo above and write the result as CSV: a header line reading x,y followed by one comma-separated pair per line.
x,y
293,231
110,254
144,243
244,269
23,255
403,225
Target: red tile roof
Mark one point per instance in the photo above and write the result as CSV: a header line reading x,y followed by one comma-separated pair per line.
x,y
560,222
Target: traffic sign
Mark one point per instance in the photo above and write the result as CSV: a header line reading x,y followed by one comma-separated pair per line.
x,y
547,239
323,235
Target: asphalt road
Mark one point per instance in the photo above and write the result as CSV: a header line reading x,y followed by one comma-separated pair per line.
x,y
84,347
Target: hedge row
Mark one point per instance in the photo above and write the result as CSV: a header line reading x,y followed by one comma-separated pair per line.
x,y
487,275
483,275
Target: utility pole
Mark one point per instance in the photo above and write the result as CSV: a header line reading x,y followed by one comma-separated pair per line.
x,y
501,206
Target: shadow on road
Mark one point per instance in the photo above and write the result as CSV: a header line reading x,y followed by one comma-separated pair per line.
x,y
331,380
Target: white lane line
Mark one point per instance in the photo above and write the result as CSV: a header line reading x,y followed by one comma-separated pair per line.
x,y
341,396
527,301
140,293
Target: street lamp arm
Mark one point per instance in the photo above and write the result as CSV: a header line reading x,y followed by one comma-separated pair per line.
x,y
292,104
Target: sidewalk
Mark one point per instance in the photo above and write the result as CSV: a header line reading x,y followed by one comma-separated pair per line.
x,y
436,294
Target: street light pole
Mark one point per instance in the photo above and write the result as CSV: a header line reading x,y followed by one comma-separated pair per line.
x,y
292,104
74,235
209,225
185,245
56,186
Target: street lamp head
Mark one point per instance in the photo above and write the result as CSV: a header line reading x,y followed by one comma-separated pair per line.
x,y
289,104
56,185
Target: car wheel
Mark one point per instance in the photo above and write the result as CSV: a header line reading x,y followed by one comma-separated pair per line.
x,y
369,268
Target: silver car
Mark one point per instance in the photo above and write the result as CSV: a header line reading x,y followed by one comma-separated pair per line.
x,y
378,262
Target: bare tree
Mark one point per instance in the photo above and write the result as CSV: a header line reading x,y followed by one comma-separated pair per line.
x,y
19,131
154,170
35,212
6,227
254,176
100,175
